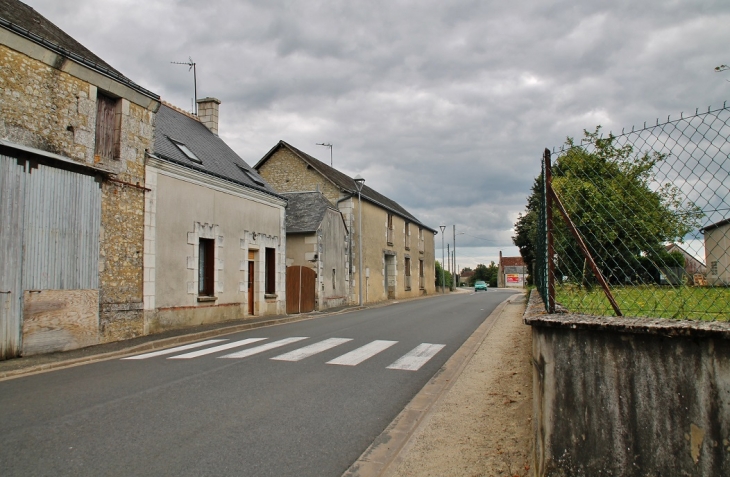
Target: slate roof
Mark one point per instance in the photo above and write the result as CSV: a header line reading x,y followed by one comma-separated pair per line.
x,y
23,20
216,157
512,262
345,183
305,211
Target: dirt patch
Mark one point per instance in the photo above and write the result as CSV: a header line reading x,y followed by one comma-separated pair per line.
x,y
482,426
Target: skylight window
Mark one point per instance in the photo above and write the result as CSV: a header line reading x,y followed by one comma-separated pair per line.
x,y
185,150
252,175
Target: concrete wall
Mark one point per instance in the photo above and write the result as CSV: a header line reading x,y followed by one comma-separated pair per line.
x,y
333,290
630,397
182,208
49,103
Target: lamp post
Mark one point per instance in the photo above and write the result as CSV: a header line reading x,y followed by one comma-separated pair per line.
x,y
443,279
359,182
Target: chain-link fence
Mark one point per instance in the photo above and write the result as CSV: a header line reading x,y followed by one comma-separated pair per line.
x,y
638,224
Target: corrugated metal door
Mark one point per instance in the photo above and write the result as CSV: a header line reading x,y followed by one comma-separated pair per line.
x,y
49,239
12,189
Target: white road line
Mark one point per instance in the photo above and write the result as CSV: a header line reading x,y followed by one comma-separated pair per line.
x,y
216,349
260,349
355,357
417,357
173,350
311,350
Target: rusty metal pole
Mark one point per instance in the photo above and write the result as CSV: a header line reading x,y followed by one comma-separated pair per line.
x,y
549,220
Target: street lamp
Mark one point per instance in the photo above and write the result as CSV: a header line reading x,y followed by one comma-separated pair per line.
x,y
443,279
359,182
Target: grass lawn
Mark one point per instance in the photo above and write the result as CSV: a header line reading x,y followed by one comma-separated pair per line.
x,y
690,303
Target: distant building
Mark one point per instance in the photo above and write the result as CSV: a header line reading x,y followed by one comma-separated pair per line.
x,y
465,278
398,249
717,252
512,272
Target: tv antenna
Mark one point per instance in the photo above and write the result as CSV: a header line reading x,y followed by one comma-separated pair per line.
x,y
191,64
330,146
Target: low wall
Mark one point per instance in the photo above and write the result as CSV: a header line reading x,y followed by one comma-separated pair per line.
x,y
629,396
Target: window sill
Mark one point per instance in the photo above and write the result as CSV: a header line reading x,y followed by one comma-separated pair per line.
x,y
270,295
204,299
390,244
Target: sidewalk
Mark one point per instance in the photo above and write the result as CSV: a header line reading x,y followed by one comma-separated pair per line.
x,y
474,418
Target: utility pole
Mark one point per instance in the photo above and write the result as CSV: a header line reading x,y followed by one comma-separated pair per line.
x,y
454,275
443,281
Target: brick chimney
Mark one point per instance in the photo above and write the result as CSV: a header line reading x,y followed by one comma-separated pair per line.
x,y
208,113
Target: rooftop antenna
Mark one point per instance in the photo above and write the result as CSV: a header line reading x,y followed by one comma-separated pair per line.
x,y
330,146
191,64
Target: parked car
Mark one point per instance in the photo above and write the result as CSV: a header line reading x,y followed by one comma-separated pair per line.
x,y
480,285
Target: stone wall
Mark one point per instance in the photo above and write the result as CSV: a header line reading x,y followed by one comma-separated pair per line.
x,y
285,172
625,397
45,107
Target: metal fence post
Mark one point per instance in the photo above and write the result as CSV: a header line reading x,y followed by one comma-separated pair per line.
x,y
550,264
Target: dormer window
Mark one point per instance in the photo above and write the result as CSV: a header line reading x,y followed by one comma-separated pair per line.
x,y
185,150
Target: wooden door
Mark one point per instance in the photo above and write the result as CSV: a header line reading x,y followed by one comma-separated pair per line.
x,y
300,289
250,287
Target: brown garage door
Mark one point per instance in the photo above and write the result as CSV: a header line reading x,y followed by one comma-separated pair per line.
x,y
300,283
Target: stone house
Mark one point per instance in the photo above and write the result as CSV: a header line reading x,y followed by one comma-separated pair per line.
x,y
717,252
511,273
73,136
214,235
398,249
317,238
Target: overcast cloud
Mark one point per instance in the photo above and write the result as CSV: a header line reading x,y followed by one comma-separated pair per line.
x,y
444,107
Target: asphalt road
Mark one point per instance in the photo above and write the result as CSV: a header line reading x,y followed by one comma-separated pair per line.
x,y
295,415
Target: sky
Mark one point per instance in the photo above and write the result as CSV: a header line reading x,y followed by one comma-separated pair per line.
x,y
444,107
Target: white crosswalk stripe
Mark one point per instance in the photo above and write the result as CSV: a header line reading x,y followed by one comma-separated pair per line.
x,y
174,350
417,357
355,357
311,350
215,349
260,349
411,361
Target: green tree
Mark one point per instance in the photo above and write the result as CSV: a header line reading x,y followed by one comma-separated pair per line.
x,y
486,273
526,228
446,275
620,215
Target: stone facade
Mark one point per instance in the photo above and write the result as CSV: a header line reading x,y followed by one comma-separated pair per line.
x,y
385,254
49,103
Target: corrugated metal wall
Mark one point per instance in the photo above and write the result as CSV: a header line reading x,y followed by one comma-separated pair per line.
x,y
49,239
12,190
61,234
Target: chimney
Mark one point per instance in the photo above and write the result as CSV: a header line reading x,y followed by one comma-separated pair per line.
x,y
208,113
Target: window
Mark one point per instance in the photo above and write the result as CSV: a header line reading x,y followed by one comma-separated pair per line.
x,y
390,229
270,271
334,278
186,150
108,128
420,274
408,236
255,178
206,267
408,273
713,268
420,240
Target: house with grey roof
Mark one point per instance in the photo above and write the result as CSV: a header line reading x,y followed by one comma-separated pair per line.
x,y
214,236
398,255
73,135
316,239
